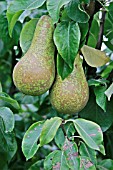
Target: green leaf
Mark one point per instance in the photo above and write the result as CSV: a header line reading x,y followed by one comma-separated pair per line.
x,y
59,161
62,67
94,31
70,129
5,41
64,16
109,45
71,152
107,70
37,165
3,159
48,161
109,92
108,29
59,138
108,25
90,132
16,8
12,19
8,100
94,57
3,6
0,87
29,142
67,39
94,113
11,145
49,130
8,118
26,99
54,7
97,82
106,164
8,143
27,33
102,149
110,11
86,164
100,96
83,30
88,152
75,12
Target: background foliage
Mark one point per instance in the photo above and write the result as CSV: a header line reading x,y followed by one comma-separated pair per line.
x,y
75,141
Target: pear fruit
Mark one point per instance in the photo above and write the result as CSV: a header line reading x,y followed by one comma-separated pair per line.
x,y
35,72
71,94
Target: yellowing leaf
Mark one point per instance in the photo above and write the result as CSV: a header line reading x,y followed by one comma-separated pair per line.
x,y
94,57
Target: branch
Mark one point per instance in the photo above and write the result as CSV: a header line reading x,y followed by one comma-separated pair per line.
x,y
100,38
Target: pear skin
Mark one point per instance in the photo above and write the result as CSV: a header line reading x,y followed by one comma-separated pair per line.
x,y
70,95
35,72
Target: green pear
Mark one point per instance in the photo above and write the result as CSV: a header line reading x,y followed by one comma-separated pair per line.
x,y
35,72
71,94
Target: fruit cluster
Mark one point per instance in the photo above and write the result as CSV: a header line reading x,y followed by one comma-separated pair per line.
x,y
34,74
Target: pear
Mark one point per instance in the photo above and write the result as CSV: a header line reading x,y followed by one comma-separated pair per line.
x,y
35,72
71,94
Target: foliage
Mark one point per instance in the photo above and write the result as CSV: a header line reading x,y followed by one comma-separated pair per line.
x,y
33,135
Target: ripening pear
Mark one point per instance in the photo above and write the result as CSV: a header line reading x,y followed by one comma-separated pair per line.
x,y
71,94
35,72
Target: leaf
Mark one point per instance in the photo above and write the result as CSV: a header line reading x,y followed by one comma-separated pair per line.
x,y
16,8
64,16
90,132
7,99
100,96
3,6
94,31
75,12
48,161
83,30
67,39
11,145
62,67
12,19
3,159
49,130
86,164
70,129
71,152
6,42
102,149
8,143
29,142
110,11
109,45
0,87
88,152
59,161
54,7
106,164
109,92
94,113
107,70
59,138
97,82
94,57
37,165
8,118
27,33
